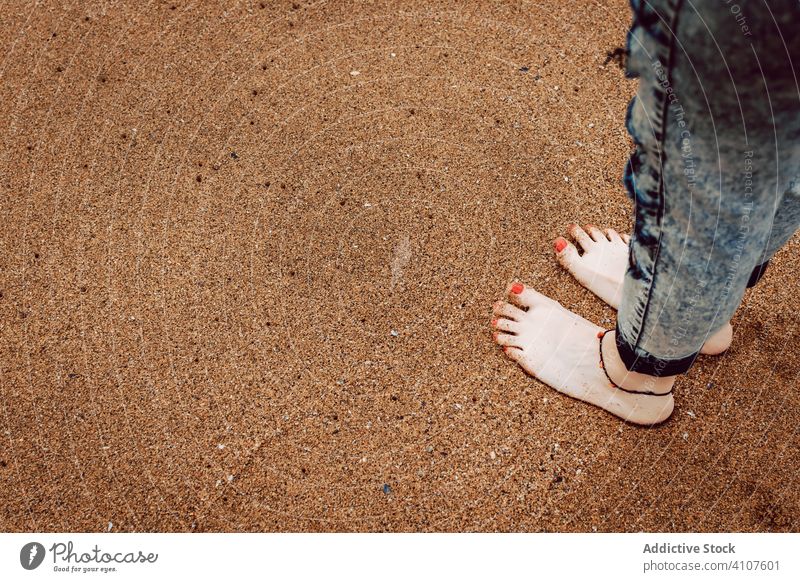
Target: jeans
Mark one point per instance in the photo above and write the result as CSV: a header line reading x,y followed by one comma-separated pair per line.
x,y
715,174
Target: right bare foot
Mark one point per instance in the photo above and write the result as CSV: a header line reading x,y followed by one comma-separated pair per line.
x,y
601,269
563,350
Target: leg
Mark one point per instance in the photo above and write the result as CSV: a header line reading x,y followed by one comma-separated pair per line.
x,y
700,228
708,176
601,269
690,118
784,225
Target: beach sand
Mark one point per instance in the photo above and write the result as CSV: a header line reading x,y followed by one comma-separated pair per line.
x,y
248,258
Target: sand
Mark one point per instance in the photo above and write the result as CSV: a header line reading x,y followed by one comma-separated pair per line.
x,y
247,266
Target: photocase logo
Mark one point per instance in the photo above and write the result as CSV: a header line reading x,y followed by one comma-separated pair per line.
x,y
31,555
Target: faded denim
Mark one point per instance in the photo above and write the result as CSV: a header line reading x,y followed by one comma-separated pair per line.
x,y
715,174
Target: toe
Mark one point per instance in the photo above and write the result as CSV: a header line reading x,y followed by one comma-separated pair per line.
x,y
526,296
506,339
566,254
626,238
613,235
580,236
595,233
504,324
508,311
513,352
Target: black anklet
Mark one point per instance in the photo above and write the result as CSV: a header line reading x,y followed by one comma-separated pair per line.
x,y
601,335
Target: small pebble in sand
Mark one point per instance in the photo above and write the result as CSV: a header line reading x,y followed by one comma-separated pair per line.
x,y
524,69
591,125
492,455
394,333
230,478
429,449
685,436
392,55
691,414
386,489
355,73
110,525
220,446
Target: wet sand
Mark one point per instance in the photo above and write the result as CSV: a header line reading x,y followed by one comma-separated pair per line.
x,y
247,265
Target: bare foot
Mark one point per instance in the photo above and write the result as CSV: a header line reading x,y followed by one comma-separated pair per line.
x,y
601,269
562,350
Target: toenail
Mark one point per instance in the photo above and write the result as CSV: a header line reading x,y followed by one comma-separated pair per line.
x,y
517,288
494,323
561,244
600,334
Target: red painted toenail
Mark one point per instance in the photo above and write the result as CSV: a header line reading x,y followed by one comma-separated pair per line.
x,y
494,323
600,334
561,244
517,288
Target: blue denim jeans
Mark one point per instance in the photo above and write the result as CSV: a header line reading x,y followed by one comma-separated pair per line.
x,y
715,174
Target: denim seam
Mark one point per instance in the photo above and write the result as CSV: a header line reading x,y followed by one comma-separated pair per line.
x,y
662,204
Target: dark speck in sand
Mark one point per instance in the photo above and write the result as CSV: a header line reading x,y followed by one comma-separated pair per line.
x,y
619,55
524,69
386,489
234,155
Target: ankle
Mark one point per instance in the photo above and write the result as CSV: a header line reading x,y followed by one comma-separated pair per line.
x,y
623,378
